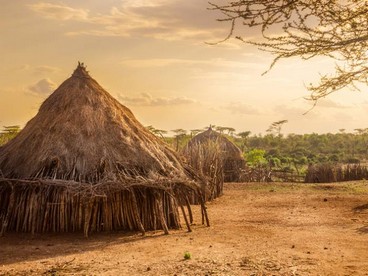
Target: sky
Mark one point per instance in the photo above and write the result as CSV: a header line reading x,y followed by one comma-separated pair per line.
x,y
158,58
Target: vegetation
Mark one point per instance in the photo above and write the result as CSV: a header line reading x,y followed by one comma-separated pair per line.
x,y
293,153
297,149
8,133
187,256
336,29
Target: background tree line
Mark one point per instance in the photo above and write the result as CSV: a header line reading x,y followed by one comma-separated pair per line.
x,y
8,133
290,153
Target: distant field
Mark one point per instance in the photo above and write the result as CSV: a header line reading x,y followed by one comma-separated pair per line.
x,y
256,229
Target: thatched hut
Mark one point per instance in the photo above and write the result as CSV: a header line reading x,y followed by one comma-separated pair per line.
x,y
216,157
84,163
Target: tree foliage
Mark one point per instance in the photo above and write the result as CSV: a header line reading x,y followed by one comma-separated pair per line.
x,y
308,28
157,132
221,129
8,133
291,153
276,127
180,134
255,157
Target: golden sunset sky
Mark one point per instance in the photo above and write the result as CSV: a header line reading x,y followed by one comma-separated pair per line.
x,y
152,56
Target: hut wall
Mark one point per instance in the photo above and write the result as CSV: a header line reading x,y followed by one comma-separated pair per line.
x,y
54,208
206,158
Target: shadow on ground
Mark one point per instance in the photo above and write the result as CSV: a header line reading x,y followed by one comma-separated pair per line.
x,y
363,230
41,246
361,208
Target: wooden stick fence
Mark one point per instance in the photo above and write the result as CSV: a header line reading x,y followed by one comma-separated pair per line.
x,y
324,173
39,207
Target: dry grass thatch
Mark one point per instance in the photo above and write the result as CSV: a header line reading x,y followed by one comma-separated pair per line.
x,y
216,157
85,163
206,158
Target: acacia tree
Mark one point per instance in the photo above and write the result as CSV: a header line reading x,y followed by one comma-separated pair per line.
x,y
220,129
230,130
157,132
244,136
179,135
276,127
8,133
308,28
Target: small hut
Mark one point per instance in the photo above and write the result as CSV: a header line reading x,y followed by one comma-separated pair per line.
x,y
216,157
84,163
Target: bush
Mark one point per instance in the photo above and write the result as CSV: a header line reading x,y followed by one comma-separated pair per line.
x,y
255,158
274,162
187,256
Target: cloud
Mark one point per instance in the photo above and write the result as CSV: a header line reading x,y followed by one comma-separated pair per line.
x,y
145,99
159,62
328,103
144,3
59,12
41,69
295,112
45,69
163,62
43,87
242,108
167,20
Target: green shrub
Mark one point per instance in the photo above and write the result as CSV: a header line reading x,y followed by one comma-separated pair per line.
x,y
187,256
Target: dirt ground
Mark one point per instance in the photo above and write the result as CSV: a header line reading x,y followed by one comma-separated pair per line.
x,y
256,229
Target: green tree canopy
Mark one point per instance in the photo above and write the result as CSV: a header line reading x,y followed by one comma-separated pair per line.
x,y
256,157
8,133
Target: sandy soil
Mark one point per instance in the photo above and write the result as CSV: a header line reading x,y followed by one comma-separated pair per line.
x,y
256,229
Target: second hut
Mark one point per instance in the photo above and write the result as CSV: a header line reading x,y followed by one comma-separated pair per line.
x,y
216,158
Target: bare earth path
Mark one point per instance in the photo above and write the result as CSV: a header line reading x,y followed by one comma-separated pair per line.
x,y
256,229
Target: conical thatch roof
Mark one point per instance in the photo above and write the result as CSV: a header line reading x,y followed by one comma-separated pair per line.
x,y
228,148
82,133
87,142
227,151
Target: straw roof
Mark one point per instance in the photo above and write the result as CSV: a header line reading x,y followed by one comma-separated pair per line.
x,y
86,142
82,133
229,149
212,143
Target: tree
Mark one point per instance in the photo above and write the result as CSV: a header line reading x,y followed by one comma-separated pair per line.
x,y
244,136
276,127
308,28
230,130
8,133
255,157
179,135
157,132
220,129
362,140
